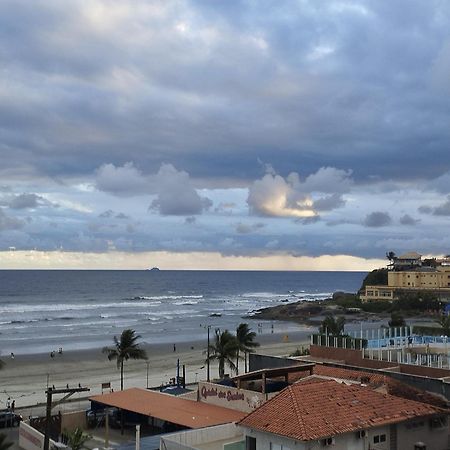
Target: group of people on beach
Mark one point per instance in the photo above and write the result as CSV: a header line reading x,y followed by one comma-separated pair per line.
x,y
10,405
53,352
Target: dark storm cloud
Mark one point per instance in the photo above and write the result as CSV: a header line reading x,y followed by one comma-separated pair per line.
x,y
24,201
444,209
377,219
408,220
351,85
9,223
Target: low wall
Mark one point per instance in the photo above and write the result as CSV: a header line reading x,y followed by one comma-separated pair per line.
x,y
259,362
72,420
424,371
32,439
191,439
348,356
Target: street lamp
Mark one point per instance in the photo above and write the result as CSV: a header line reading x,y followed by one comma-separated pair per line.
x,y
207,355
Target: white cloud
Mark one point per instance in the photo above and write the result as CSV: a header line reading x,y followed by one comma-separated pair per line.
x,y
275,196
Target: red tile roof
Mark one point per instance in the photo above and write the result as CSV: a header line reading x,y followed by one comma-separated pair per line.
x,y
311,411
189,413
391,386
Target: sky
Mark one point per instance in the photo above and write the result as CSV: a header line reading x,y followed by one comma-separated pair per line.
x,y
300,135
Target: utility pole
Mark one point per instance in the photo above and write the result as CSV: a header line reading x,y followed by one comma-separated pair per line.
x,y
207,357
50,392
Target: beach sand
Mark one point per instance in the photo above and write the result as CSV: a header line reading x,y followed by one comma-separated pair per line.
x,y
26,377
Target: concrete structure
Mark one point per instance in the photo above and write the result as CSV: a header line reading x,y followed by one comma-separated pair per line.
x,y
32,439
221,437
408,274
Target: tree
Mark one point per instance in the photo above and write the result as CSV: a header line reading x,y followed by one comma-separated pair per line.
x,y
4,445
124,349
246,343
224,349
397,320
76,439
332,326
391,257
444,322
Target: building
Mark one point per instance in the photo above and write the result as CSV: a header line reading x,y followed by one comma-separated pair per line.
x,y
324,413
408,273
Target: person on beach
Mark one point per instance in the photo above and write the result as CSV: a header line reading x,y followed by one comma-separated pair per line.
x,y
52,354
12,355
174,348
13,405
8,403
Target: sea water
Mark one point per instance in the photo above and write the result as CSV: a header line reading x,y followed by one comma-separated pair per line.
x,y
41,311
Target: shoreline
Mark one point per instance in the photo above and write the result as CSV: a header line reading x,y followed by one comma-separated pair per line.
x,y
26,377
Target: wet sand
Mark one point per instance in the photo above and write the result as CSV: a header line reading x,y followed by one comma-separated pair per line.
x,y
26,377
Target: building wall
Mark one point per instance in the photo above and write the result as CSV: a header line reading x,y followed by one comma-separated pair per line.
x,y
346,441
202,437
72,420
419,430
438,281
408,433
32,439
377,293
230,397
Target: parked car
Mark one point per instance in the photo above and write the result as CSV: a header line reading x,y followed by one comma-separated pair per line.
x,y
97,418
9,419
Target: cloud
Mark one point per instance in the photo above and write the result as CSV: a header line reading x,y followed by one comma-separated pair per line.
x,y
275,196
444,209
425,209
242,228
9,223
124,180
176,196
24,201
441,210
406,219
377,219
329,203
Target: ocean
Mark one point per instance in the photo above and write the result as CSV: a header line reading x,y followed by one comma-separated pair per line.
x,y
41,311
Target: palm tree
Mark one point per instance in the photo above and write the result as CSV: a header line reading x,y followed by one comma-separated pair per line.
x,y
246,343
76,439
3,444
124,349
444,322
224,349
332,326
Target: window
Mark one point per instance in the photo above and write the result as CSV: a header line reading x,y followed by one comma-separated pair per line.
x,y
379,438
438,422
250,443
278,447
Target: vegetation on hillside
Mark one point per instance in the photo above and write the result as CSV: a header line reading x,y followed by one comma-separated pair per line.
x,y
407,303
376,277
